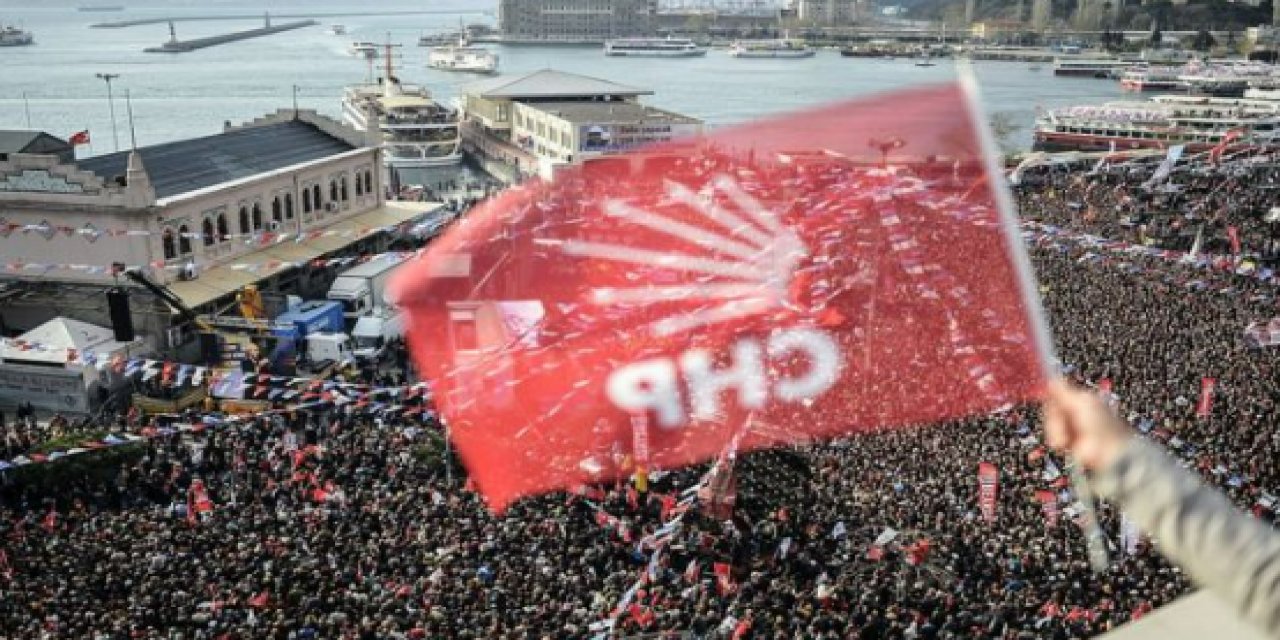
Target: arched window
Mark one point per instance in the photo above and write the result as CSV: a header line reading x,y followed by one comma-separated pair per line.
x,y
306,201
170,250
359,186
184,240
316,197
368,181
223,232
344,188
333,191
244,221
288,206
277,214
257,217
208,233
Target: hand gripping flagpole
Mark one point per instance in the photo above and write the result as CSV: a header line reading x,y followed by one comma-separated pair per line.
x,y
1098,557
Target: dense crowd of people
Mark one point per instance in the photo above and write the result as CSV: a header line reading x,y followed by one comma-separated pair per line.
x,y
342,521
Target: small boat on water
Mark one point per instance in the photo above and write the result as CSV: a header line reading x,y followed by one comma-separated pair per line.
x,y
444,39
770,49
15,37
336,30
669,47
925,62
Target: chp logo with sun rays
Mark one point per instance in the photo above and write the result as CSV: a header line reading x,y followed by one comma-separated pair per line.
x,y
747,261
742,260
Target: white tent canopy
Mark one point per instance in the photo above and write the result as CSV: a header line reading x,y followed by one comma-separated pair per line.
x,y
48,343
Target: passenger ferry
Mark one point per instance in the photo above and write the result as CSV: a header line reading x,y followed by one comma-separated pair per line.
x,y
654,48
460,57
15,37
1152,79
1090,67
770,49
1197,122
416,131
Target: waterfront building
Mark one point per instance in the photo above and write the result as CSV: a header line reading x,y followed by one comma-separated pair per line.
x,y
574,20
534,123
256,204
829,12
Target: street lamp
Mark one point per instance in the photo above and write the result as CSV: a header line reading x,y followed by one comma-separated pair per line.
x,y
107,78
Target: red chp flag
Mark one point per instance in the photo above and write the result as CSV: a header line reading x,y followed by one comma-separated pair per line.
x,y
1205,406
988,490
1233,235
785,280
78,138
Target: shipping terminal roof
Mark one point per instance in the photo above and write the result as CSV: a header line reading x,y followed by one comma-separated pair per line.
x,y
190,165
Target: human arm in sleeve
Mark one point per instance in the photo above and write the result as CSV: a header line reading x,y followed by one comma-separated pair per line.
x,y
1230,553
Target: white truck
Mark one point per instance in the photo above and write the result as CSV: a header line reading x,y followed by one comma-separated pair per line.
x,y
373,332
361,288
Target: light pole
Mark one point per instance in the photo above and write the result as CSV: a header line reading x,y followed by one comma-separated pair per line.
x,y
107,78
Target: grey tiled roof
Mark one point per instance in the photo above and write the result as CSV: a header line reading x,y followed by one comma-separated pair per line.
x,y
549,84
189,165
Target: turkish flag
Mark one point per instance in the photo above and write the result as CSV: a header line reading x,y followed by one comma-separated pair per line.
x,y
78,138
781,281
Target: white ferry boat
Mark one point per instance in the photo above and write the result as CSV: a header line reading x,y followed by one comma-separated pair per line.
x,y
15,37
1197,122
770,49
460,57
1090,67
654,48
416,131
1152,79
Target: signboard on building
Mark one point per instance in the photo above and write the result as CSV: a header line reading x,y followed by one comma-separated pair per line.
x,y
611,138
55,389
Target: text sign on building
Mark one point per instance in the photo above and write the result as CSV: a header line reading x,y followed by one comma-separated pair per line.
x,y
623,137
55,389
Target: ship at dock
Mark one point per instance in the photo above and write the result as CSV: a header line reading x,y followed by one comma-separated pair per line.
x,y
460,56
670,47
414,129
770,49
1197,122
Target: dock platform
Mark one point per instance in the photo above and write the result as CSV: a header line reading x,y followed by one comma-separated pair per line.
x,y
183,46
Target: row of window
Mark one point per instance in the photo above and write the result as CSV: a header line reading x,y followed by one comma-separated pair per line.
x,y
216,230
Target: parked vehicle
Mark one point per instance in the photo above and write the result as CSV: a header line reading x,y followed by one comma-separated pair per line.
x,y
361,288
374,332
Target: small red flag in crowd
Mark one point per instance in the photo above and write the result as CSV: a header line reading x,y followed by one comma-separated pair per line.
x,y
1049,507
78,138
988,490
1205,406
786,280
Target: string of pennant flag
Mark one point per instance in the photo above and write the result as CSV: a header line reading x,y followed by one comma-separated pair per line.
x,y
251,267
260,237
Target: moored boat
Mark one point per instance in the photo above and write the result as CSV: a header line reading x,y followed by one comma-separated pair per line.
x,y
670,47
770,49
14,37
415,130
1197,122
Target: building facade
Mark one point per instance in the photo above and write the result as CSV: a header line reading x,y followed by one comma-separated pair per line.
x,y
828,12
255,204
575,20
541,121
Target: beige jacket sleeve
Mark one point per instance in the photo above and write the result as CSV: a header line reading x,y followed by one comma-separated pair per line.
x,y
1223,549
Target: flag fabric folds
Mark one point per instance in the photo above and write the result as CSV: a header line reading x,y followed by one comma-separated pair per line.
x,y
781,281
78,138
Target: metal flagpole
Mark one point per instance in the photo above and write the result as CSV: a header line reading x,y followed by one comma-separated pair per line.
x,y
26,108
1098,557
108,77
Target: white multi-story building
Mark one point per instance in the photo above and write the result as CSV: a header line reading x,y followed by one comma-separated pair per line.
x,y
575,20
